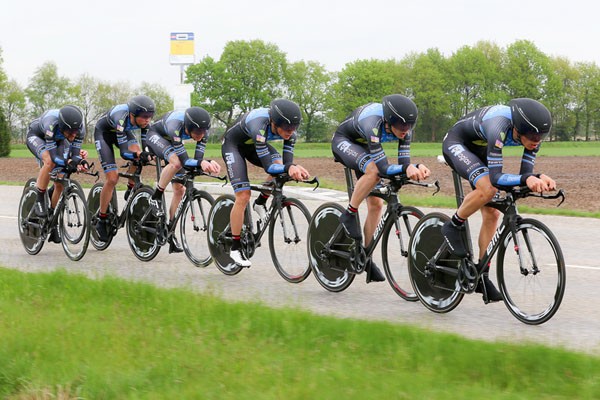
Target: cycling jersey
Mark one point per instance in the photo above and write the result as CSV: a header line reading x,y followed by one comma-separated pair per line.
x,y
44,134
473,147
247,140
115,128
166,136
357,141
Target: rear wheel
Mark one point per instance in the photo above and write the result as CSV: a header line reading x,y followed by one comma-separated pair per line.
x,y
31,228
438,291
331,271
93,202
533,290
394,252
193,227
287,240
73,223
144,230
219,234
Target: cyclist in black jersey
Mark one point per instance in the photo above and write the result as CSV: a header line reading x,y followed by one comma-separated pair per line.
x,y
55,140
357,144
248,140
165,139
116,128
473,148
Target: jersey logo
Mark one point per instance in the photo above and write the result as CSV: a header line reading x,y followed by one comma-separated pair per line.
x,y
120,128
375,131
177,139
499,144
374,139
49,133
503,136
260,138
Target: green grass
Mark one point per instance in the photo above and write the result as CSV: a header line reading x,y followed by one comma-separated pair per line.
x,y
319,150
65,335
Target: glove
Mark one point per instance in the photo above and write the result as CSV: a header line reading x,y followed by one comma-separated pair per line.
x,y
191,164
72,166
394,170
145,156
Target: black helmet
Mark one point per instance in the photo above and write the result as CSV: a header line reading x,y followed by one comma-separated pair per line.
x,y
285,114
141,104
531,118
70,118
399,109
196,118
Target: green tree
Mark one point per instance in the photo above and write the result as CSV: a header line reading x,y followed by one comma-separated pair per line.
x,y
361,82
563,105
14,106
4,136
587,93
47,89
308,85
248,75
160,95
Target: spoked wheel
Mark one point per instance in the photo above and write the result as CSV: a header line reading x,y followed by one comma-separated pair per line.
x,y
73,223
219,234
287,241
194,228
438,291
394,252
145,232
31,228
93,202
331,271
533,290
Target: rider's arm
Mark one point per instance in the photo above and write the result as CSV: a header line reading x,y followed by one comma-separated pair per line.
x,y
496,163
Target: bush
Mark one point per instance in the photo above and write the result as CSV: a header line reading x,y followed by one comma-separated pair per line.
x,y
4,137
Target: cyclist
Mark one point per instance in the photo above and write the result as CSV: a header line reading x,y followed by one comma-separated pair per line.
x,y
357,144
55,140
248,140
116,128
165,138
473,148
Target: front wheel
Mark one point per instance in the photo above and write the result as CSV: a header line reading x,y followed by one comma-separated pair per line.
x,y
193,227
144,230
287,240
394,252
330,270
73,223
437,288
531,272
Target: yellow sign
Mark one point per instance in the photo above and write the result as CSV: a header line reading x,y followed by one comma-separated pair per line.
x,y
182,48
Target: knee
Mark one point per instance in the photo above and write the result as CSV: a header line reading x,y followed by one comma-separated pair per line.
x,y
487,192
178,189
374,205
490,214
111,179
242,197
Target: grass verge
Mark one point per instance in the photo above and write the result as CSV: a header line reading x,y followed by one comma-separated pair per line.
x,y
65,336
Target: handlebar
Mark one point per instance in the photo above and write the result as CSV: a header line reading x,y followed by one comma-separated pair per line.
x,y
520,192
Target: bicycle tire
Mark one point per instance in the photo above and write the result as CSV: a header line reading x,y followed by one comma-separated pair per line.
x,y
142,233
330,271
533,298
93,202
73,223
193,227
394,252
219,234
288,232
437,291
30,230
30,182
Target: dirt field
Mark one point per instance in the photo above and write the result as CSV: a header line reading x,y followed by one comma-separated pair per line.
x,y
577,175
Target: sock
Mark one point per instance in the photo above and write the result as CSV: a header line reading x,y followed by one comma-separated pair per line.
x,y
352,210
458,221
158,193
40,194
102,215
237,242
262,199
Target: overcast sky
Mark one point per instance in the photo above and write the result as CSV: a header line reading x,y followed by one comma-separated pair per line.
x,y
121,40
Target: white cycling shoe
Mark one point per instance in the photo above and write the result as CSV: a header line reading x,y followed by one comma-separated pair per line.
x,y
239,259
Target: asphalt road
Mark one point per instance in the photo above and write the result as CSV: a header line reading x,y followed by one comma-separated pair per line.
x,y
575,326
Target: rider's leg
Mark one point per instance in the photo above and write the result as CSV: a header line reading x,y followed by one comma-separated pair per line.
x,y
489,223
374,211
111,179
58,188
363,187
44,174
242,198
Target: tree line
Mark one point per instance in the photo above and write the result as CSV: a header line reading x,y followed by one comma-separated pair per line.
x,y
249,74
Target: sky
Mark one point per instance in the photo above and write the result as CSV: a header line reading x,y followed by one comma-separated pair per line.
x,y
122,40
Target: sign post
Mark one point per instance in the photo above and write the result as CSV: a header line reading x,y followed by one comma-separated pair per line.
x,y
182,54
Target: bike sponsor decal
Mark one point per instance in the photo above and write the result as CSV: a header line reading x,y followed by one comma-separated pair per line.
x,y
346,148
457,151
380,225
495,239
